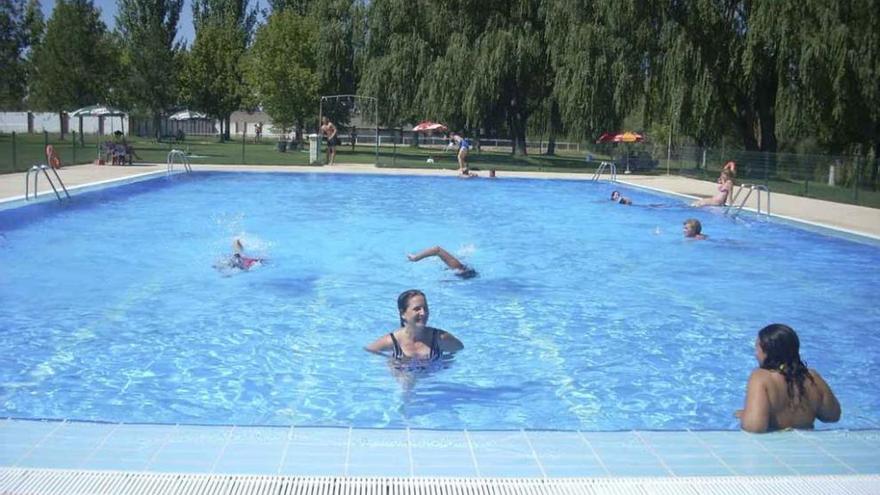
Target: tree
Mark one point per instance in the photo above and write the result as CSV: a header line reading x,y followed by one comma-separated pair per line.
x,y
282,70
74,64
473,64
147,29
238,13
299,7
836,69
13,41
34,24
212,80
396,58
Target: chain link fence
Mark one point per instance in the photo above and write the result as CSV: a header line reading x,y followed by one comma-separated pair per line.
x,y
846,179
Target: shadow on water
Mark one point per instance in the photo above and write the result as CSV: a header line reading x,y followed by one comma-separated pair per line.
x,y
291,286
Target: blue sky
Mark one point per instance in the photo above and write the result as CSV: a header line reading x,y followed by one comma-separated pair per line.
x,y
108,14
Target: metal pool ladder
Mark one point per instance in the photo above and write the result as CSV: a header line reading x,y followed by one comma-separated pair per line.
x,y
734,210
181,157
612,169
36,169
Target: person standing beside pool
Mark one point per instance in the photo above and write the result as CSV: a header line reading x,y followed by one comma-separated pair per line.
x,y
693,229
329,132
782,392
460,269
464,146
415,340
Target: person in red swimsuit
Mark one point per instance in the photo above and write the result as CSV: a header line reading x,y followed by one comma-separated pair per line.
x,y
238,260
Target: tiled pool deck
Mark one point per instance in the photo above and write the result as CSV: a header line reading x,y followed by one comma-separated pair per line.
x,y
303,451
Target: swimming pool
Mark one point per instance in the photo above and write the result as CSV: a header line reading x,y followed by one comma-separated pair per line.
x,y
586,315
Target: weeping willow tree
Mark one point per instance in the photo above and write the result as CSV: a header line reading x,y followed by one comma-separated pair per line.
x,y
469,63
396,57
835,69
598,54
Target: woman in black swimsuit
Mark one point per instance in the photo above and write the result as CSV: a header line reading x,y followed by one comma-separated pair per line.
x,y
415,340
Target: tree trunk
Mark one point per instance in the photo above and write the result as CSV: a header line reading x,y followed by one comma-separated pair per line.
x,y
517,120
875,165
156,122
555,126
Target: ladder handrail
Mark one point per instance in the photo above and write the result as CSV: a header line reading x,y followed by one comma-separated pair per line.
x,y
36,169
612,169
751,188
177,154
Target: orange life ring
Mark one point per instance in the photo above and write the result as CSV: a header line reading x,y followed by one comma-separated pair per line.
x,y
52,157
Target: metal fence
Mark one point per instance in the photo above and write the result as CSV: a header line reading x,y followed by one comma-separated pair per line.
x,y
840,178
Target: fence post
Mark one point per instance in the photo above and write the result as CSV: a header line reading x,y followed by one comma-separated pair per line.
x,y
243,140
856,181
45,140
73,145
14,168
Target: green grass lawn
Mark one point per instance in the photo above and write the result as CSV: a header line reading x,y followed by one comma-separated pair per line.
x,y
28,149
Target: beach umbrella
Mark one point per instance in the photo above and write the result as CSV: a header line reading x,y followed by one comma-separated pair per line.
x,y
98,111
621,137
428,127
188,115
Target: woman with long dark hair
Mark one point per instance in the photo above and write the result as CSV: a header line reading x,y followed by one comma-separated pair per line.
x,y
414,339
782,392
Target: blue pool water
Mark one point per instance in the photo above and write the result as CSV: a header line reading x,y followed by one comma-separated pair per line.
x,y
586,314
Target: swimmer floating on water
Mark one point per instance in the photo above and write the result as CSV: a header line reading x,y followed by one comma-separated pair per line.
x,y
616,197
238,260
460,269
693,229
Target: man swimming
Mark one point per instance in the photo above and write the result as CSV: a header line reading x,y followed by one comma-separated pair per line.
x,y
460,269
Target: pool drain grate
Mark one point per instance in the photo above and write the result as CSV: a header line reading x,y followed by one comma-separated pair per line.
x,y
73,482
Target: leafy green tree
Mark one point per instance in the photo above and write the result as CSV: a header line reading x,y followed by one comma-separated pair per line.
x,y
13,41
212,80
239,14
299,7
34,23
473,64
834,90
147,29
717,66
282,69
396,59
75,63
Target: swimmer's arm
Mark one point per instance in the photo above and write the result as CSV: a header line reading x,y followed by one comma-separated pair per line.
x,y
380,345
829,407
755,418
449,343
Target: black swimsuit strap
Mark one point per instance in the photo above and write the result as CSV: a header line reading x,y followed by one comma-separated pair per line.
x,y
398,352
436,352
435,345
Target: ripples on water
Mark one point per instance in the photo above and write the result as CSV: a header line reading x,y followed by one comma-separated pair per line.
x,y
586,314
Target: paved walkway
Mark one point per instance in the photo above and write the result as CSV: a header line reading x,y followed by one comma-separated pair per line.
x,y
849,218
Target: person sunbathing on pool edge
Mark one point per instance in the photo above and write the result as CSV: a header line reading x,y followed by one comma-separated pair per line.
x,y
460,269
